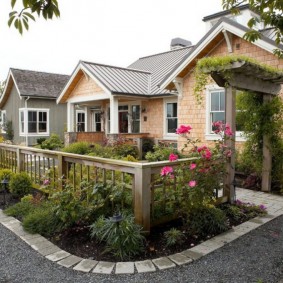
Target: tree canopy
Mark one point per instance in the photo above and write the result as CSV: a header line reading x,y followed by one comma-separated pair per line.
x,y
271,14
28,8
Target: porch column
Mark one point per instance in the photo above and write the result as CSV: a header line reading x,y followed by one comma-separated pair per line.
x,y
267,157
70,117
230,117
114,117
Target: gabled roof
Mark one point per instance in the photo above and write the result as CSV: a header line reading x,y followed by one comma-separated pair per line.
x,y
141,78
38,84
120,80
159,65
33,84
214,35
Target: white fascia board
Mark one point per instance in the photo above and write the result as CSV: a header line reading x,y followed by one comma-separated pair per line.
x,y
86,98
10,76
223,26
78,68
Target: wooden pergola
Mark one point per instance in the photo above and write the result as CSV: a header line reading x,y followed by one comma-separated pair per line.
x,y
246,76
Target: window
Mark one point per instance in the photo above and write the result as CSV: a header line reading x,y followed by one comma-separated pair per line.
x,y
136,116
80,121
217,107
171,122
34,122
3,121
216,112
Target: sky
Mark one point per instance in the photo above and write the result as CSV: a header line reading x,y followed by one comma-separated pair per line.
x,y
110,32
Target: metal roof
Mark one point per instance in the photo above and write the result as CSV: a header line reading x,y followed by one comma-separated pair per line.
x,y
269,33
120,80
159,65
38,84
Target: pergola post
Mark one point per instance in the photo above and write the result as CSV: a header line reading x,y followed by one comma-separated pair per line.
x,y
230,118
267,157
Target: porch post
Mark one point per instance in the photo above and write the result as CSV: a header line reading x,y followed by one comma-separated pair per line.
x,y
70,117
230,118
114,118
267,157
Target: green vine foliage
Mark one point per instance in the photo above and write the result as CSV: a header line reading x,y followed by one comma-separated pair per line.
x,y
259,119
207,65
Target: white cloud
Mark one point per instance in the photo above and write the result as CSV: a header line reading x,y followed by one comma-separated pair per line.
x,y
105,31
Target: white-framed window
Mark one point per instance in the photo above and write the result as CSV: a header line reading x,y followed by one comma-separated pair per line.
x,y
96,119
136,118
3,121
80,121
34,122
171,118
215,111
129,117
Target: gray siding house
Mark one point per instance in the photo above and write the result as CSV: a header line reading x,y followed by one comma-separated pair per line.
x,y
29,102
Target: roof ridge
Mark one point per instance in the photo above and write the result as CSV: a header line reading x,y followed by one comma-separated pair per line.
x,y
178,49
43,72
115,67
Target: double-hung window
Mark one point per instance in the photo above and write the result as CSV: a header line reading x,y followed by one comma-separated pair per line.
x,y
34,121
136,117
171,118
216,112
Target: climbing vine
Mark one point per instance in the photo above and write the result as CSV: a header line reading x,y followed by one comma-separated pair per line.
x,y
259,119
207,65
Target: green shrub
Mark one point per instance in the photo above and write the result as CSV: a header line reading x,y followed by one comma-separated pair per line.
x,y
174,237
54,142
130,158
78,148
40,140
42,220
161,153
20,209
6,174
122,150
20,184
207,220
122,239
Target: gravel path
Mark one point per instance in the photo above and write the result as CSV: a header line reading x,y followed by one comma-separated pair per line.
x,y
256,257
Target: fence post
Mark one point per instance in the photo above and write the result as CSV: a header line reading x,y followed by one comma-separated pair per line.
x,y
20,161
62,170
142,197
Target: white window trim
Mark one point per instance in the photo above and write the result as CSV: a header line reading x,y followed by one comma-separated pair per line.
x,y
85,122
3,113
38,134
211,136
129,104
169,136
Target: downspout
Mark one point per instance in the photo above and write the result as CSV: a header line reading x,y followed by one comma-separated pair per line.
x,y
25,120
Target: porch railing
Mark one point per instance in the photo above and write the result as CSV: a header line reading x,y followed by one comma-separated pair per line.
x,y
135,176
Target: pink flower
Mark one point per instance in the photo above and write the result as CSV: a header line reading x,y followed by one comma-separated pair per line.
x,y
192,183
193,166
228,131
183,129
173,157
205,152
166,170
218,127
46,182
228,153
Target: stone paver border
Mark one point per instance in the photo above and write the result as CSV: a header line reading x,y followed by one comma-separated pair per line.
x,y
51,252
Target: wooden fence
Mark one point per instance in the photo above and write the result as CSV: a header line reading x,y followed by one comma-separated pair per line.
x,y
140,177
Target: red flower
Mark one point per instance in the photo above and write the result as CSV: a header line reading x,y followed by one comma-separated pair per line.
x,y
166,170
183,129
173,157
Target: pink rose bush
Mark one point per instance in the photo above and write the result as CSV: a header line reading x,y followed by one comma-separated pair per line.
x,y
198,179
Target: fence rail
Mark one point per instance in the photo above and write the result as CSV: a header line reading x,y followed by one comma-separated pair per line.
x,y
136,176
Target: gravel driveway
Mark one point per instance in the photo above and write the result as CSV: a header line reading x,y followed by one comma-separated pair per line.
x,y
255,257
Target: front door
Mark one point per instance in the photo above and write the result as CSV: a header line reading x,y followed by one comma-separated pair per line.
x,y
123,122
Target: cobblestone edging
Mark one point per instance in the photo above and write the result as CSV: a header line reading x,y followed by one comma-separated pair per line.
x,y
53,253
